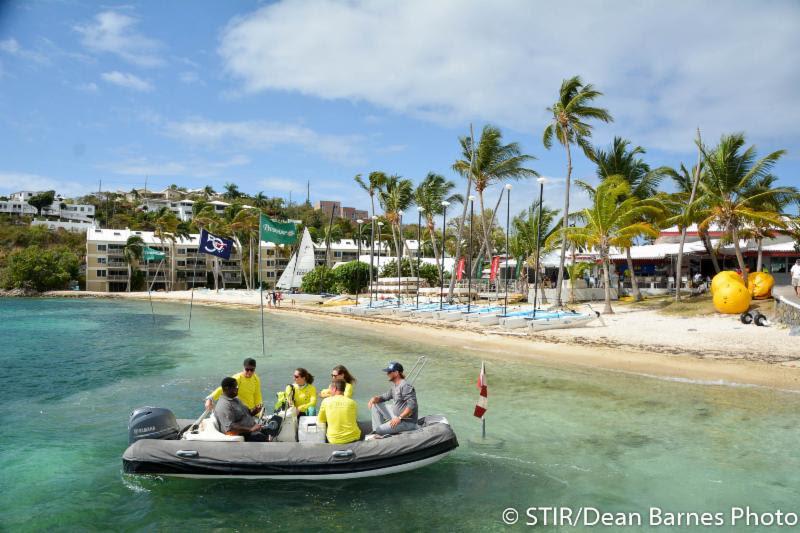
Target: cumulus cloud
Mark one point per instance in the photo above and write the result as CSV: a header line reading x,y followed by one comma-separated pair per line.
x,y
197,168
127,80
265,135
665,68
115,33
17,181
12,47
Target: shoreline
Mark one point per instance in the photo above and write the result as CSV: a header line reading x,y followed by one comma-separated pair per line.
x,y
654,361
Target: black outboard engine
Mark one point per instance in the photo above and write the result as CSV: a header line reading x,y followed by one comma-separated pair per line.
x,y
152,423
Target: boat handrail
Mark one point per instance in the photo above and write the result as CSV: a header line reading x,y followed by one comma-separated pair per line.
x,y
418,366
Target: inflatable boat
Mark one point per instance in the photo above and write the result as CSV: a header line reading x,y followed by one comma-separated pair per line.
x,y
163,445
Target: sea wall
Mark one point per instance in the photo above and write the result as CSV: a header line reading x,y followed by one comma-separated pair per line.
x,y
787,312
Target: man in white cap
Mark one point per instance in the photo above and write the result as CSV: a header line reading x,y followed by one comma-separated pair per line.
x,y
402,416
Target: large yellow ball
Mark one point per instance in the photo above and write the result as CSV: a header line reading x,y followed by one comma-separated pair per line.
x,y
760,285
723,278
732,298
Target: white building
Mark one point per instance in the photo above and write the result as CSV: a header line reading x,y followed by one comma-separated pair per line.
x,y
18,205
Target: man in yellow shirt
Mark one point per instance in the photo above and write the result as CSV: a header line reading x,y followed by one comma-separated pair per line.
x,y
340,413
249,387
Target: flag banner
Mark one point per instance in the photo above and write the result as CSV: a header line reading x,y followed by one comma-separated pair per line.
x,y
277,232
495,268
212,245
483,399
150,254
460,269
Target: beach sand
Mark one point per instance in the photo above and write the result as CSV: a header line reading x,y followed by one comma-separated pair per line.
x,y
709,349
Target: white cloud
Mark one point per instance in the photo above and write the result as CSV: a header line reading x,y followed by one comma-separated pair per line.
x,y
90,87
665,68
266,135
12,47
143,166
127,80
18,181
114,33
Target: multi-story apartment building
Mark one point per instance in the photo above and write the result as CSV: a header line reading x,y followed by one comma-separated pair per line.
x,y
17,204
349,213
181,208
183,268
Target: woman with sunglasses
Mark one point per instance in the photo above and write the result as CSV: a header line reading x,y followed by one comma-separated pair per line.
x,y
340,372
304,393
249,387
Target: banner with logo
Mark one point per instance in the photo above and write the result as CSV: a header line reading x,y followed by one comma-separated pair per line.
x,y
277,232
495,268
212,245
460,269
151,254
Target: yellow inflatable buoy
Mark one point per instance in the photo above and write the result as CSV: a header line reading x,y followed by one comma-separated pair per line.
x,y
760,285
723,278
732,298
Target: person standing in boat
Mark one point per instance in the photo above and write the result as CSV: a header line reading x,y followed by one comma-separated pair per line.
x,y
340,372
249,387
402,416
341,415
304,393
234,417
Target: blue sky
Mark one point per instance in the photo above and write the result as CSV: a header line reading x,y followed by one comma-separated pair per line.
x,y
271,94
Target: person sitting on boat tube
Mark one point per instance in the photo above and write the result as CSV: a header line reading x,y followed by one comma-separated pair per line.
x,y
304,394
249,387
340,372
402,416
234,417
341,415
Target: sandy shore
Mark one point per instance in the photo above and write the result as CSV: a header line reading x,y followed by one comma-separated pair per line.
x,y
712,349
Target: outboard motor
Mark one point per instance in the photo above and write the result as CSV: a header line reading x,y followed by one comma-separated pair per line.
x,y
152,423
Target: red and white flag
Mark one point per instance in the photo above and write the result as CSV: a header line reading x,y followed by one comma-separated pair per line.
x,y
483,399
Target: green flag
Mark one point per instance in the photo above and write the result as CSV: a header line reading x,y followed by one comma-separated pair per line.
x,y
277,232
149,254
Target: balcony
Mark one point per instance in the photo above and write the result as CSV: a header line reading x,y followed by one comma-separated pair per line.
x,y
117,277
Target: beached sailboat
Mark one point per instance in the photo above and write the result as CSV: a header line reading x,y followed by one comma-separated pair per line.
x,y
301,263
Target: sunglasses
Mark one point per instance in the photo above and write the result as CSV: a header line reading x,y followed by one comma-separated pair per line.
x,y
297,376
335,375
249,369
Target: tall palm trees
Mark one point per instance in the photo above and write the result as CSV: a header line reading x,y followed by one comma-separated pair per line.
x,y
429,195
615,218
493,162
733,190
132,252
569,126
373,184
165,226
623,161
396,195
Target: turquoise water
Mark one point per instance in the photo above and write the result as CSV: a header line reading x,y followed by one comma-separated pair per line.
x,y
74,369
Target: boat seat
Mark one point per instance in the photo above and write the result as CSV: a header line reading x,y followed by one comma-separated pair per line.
x,y
209,431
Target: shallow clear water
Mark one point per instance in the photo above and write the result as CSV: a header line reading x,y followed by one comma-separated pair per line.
x,y
72,370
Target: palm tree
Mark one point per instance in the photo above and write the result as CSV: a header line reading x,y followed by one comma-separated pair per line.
x,y
165,227
374,183
260,199
493,162
760,230
429,195
231,191
568,125
132,252
209,192
244,226
615,218
525,232
396,195
625,162
732,191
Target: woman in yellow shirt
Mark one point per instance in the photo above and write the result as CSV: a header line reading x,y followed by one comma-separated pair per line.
x,y
340,372
305,394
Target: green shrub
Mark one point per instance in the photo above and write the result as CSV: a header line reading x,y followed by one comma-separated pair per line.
x,y
428,272
351,277
40,270
321,279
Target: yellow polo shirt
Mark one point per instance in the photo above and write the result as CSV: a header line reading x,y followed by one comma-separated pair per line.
x,y
341,415
304,397
348,391
249,390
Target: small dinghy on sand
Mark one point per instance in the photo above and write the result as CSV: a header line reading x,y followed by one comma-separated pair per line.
x,y
162,445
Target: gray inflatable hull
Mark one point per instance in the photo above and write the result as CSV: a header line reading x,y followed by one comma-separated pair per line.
x,y
293,460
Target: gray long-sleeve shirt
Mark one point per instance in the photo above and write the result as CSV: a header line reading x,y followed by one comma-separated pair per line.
x,y
404,395
231,411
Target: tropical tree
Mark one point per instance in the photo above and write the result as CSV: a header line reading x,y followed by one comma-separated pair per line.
x,y
622,160
165,226
569,125
396,195
373,184
209,192
493,162
734,193
429,195
614,218
42,200
132,253
232,191
527,241
244,226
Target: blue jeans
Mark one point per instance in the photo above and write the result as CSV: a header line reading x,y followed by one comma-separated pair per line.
x,y
381,414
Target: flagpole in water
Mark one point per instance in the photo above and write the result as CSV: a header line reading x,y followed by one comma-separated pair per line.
x,y
194,275
261,286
